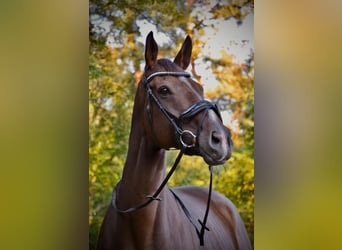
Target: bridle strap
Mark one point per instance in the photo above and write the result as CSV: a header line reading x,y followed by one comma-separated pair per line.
x,y
170,117
167,73
153,197
200,232
176,122
198,107
204,222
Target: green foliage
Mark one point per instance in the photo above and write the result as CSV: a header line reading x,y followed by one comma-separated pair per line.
x,y
115,67
111,94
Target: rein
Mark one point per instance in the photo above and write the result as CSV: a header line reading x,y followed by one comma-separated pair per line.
x,y
153,197
191,111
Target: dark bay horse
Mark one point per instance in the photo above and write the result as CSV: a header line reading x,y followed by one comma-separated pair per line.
x,y
170,112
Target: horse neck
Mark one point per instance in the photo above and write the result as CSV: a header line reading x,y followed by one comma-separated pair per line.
x,y
144,169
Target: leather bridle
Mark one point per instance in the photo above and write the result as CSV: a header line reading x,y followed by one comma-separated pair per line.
x,y
176,122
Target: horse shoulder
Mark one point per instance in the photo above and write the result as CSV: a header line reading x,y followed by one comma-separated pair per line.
x,y
113,232
223,215
228,213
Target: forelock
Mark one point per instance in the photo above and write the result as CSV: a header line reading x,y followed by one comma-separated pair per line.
x,y
168,65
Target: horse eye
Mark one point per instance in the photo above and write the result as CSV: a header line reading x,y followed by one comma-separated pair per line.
x,y
163,90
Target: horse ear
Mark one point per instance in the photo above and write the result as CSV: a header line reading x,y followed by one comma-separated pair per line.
x,y
184,55
151,50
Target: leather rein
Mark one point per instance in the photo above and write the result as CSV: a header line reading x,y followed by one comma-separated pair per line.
x,y
176,122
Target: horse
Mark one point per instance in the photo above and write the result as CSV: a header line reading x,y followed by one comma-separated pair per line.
x,y
170,112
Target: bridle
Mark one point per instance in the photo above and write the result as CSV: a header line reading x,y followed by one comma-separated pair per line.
x,y
176,122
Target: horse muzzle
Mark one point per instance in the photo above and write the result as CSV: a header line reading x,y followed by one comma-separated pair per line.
x,y
215,146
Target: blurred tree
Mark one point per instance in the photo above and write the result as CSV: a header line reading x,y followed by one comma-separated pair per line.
x,y
116,60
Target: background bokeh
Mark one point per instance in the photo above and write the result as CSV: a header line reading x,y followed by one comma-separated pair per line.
x,y
43,125
297,124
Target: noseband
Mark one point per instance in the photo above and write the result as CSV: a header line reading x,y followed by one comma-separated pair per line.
x,y
176,122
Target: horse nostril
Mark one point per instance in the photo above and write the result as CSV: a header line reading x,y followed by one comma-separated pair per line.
x,y
215,138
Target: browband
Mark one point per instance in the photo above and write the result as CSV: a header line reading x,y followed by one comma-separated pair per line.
x,y
165,73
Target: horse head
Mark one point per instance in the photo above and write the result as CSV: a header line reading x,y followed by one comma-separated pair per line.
x,y
176,115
